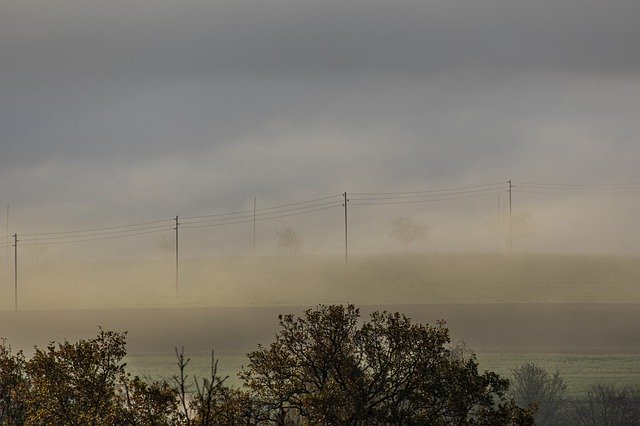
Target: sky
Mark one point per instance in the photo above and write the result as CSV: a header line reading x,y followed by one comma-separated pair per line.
x,y
119,112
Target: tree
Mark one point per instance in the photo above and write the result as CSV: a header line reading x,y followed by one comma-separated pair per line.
x,y
327,368
522,225
164,245
36,250
406,231
77,383
13,386
532,384
609,405
289,239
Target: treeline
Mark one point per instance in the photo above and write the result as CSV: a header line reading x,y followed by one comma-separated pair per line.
x,y
327,366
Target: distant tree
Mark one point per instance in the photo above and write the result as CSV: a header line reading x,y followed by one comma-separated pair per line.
x,y
610,405
36,250
522,225
406,231
164,245
327,367
289,239
532,384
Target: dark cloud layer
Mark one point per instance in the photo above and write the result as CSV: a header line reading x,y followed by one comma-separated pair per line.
x,y
125,104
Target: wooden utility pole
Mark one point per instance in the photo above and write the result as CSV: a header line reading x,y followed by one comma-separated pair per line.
x,y
346,245
176,228
254,226
15,271
499,223
510,221
7,230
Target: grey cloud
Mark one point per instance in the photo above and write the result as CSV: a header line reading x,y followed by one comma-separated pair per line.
x,y
138,39
149,107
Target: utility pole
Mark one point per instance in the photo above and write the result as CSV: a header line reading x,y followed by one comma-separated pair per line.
x,y
254,226
176,228
7,230
346,246
510,224
499,228
15,271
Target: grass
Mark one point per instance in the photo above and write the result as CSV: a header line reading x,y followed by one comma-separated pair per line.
x,y
578,370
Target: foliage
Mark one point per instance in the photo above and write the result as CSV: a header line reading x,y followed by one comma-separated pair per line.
x,y
77,383
80,383
610,405
13,386
532,384
325,368
289,239
406,231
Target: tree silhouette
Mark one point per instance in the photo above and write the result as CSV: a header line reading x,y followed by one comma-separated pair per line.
x,y
289,239
164,245
406,231
329,367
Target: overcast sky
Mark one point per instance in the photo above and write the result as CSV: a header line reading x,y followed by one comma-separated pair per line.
x,y
119,111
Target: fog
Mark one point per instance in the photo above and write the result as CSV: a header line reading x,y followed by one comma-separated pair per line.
x,y
117,116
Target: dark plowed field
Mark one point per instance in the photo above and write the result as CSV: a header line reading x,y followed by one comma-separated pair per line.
x,y
574,328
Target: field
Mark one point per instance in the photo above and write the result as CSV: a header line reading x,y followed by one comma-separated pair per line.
x,y
578,370
300,281
578,314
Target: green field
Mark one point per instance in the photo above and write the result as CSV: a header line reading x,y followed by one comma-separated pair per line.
x,y
579,370
295,281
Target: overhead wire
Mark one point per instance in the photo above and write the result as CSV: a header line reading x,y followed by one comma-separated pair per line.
x,y
90,230
261,214
576,189
37,243
262,208
424,200
114,233
315,205
443,194
493,184
274,216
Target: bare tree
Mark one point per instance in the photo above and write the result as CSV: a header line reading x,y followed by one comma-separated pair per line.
x,y
407,231
522,225
289,239
164,245
532,384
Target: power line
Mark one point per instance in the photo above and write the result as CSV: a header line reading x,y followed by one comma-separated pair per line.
x,y
259,214
402,197
570,189
258,219
577,185
578,192
96,234
263,208
36,243
426,200
89,230
429,190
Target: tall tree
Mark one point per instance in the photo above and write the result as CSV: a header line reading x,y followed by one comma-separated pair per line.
x,y
289,239
327,367
407,231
